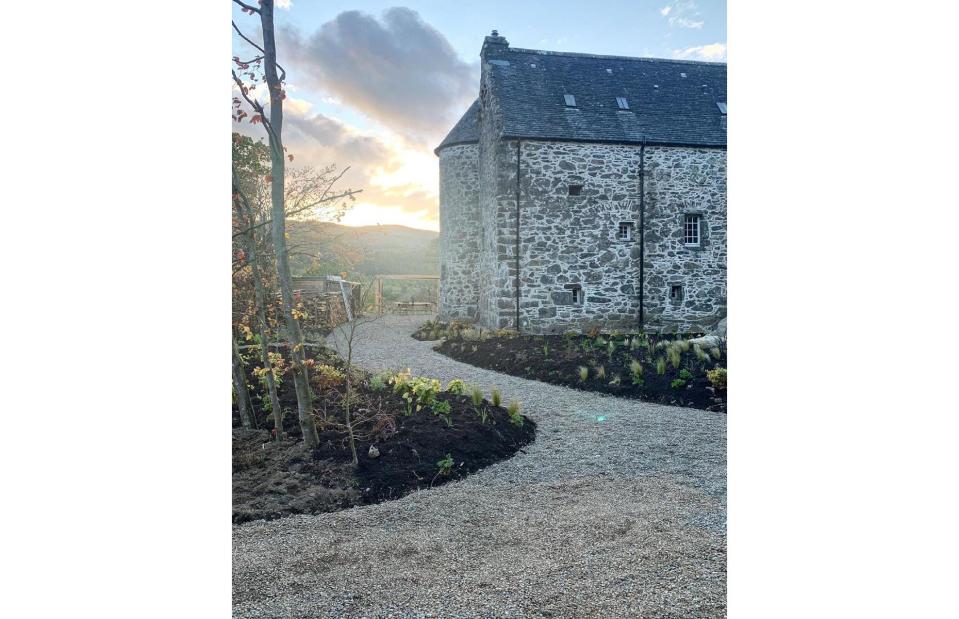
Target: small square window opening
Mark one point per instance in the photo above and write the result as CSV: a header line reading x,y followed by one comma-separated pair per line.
x,y
577,296
625,232
691,230
675,292
570,100
575,190
622,103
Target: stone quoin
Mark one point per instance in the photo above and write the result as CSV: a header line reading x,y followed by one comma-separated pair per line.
x,y
584,191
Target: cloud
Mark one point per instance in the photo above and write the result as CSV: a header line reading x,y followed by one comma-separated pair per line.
x,y
713,51
681,16
284,4
686,23
400,180
397,70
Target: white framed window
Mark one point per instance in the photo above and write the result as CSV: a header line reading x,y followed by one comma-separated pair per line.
x,y
691,230
676,293
625,232
577,295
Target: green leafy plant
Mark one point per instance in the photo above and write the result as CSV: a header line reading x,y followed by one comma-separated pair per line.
x,y
717,378
456,387
677,383
496,397
685,374
418,392
545,348
445,465
601,372
716,353
476,397
583,373
515,417
379,382
682,345
443,409
660,366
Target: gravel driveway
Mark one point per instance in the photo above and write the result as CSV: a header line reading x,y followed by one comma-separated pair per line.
x,y
619,517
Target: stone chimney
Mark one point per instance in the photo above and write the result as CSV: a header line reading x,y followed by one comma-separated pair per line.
x,y
493,45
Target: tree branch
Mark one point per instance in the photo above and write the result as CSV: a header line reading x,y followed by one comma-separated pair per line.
x,y
246,6
260,49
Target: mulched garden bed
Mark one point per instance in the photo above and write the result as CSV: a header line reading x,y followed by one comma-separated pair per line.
x,y
605,359
273,479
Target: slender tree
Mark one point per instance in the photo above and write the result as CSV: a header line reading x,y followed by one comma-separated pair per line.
x,y
240,389
274,127
262,327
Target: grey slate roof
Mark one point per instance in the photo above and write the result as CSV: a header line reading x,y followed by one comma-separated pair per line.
x,y
664,106
466,131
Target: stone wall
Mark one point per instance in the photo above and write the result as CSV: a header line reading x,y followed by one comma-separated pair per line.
x,y
497,200
571,241
459,232
684,181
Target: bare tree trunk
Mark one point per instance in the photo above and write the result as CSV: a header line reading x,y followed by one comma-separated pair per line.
x,y
259,295
239,387
304,397
349,390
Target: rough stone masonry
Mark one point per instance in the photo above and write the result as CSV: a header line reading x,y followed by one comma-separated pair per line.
x,y
585,191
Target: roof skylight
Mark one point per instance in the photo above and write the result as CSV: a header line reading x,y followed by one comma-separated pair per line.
x,y
570,100
622,103
722,106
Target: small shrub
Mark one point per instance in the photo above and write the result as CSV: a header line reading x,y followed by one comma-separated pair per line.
x,y
678,383
445,465
443,409
328,376
456,387
660,366
379,382
616,380
514,416
476,396
675,357
700,353
583,373
545,348
717,378
685,374
682,345
496,397
636,372
716,353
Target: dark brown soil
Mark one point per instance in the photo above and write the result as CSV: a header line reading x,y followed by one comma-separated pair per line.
x,y
557,359
274,479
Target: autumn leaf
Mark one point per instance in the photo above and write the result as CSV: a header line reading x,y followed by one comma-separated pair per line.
x,y
255,119
290,157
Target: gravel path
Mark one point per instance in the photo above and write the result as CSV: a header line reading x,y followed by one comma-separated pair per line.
x,y
624,517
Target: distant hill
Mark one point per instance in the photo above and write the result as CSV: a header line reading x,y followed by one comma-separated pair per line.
x,y
361,249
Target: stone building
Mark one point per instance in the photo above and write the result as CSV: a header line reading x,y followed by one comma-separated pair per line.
x,y
582,190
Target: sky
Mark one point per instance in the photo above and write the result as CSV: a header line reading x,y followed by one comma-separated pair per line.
x,y
377,85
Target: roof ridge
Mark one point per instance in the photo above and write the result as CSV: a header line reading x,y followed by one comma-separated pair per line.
x,y
609,57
